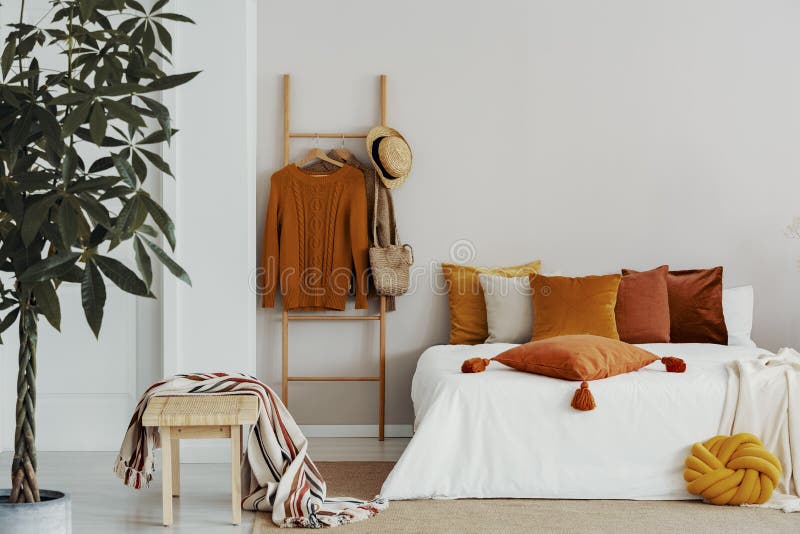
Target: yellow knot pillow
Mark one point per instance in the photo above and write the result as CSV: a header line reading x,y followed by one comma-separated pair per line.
x,y
732,470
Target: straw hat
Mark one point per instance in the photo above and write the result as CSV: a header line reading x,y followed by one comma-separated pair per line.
x,y
390,155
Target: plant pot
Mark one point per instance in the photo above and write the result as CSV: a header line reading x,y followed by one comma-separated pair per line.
x,y
53,515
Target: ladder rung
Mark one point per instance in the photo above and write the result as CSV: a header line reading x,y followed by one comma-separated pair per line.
x,y
303,135
334,378
309,317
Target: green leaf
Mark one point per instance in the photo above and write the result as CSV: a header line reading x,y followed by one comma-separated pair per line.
x,y
12,195
158,136
161,218
124,111
47,301
95,209
84,134
87,7
93,297
168,262
174,80
124,169
163,36
175,17
135,5
9,319
131,217
120,89
74,275
139,165
161,113
69,99
158,5
94,185
98,124
67,221
143,261
75,118
50,126
69,164
24,75
101,164
50,267
124,278
127,25
157,161
147,230
148,40
35,216
8,56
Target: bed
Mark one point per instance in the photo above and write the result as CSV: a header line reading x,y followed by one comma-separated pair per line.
x,y
506,434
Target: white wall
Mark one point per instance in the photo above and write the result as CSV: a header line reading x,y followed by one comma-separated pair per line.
x,y
211,325
592,135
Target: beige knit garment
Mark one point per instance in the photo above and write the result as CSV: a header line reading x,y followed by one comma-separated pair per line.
x,y
387,228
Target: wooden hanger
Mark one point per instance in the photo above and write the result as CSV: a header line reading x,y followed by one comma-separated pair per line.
x,y
317,153
342,152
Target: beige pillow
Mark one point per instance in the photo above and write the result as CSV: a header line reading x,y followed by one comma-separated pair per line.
x,y
509,308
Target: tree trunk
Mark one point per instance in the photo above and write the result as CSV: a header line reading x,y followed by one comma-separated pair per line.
x,y
24,486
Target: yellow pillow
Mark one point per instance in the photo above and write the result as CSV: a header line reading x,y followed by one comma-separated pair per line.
x,y
565,306
467,306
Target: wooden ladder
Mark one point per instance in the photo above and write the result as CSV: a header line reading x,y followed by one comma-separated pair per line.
x,y
288,135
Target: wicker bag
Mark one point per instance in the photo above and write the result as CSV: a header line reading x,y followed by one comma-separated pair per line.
x,y
390,264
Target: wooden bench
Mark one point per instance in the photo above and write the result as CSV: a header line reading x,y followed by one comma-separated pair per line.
x,y
199,417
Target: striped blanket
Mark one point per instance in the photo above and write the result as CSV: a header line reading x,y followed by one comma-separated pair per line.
x,y
278,475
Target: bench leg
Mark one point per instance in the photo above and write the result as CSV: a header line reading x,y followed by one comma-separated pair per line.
x,y
176,467
166,474
236,473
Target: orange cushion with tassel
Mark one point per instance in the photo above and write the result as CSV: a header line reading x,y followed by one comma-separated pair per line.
x,y
576,357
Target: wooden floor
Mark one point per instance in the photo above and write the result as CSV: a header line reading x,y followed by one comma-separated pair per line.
x,y
102,505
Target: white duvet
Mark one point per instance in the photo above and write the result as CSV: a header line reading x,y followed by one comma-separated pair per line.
x,y
505,433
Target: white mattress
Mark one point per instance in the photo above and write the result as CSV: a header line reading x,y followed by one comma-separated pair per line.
x,y
505,433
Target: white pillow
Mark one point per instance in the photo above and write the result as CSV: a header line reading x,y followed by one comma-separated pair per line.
x,y
509,308
737,306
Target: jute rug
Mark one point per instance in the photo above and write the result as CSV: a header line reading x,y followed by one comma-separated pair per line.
x,y
364,479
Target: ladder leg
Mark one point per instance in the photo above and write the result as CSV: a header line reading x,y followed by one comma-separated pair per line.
x,y
285,358
382,371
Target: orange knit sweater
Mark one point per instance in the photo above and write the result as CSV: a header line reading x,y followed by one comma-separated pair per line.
x,y
315,239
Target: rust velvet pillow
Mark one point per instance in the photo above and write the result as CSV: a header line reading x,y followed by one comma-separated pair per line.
x,y
643,306
567,306
582,357
695,306
468,324
576,358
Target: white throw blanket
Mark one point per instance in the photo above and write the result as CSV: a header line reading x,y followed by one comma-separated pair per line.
x,y
278,476
763,399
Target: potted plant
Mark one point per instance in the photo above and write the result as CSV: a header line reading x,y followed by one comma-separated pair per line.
x,y
76,141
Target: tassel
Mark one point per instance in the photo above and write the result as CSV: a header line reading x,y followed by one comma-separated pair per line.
x,y
583,399
474,365
673,364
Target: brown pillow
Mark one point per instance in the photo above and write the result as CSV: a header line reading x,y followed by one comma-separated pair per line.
x,y
467,305
566,306
576,358
695,306
643,306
